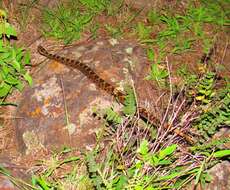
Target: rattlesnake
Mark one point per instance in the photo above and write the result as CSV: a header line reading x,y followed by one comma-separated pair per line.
x,y
109,88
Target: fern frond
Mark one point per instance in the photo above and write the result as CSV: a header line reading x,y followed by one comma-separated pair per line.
x,y
113,116
130,105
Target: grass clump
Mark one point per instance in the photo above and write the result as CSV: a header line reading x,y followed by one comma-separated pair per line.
x,y
24,13
175,33
147,166
67,21
60,162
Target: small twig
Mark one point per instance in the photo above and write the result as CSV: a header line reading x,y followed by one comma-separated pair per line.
x,y
166,113
175,104
135,96
171,94
156,102
171,120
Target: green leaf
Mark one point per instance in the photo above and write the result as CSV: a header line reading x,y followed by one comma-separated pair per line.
x,y
4,90
130,102
10,31
143,31
143,150
11,80
170,176
27,58
2,49
153,17
150,54
19,86
139,164
3,13
154,160
198,175
167,151
164,162
163,74
208,178
200,98
28,78
155,70
8,104
121,182
33,180
19,54
5,70
5,55
202,91
150,188
113,116
222,153
16,65
2,29
43,183
2,168
7,29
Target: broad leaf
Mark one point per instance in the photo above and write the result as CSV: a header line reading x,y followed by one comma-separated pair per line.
x,y
144,147
222,153
10,31
4,90
16,65
150,54
27,58
11,80
167,151
28,78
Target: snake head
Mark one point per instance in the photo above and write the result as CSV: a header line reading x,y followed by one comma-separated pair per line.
x,y
42,50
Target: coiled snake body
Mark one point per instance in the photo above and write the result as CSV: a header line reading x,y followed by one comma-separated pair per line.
x,y
102,84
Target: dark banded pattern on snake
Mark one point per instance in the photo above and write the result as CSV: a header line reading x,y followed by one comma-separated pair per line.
x,y
102,84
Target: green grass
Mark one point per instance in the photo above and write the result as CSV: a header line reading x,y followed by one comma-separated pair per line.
x,y
177,33
67,21
24,12
156,74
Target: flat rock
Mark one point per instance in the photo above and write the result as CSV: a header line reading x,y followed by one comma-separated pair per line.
x,y
220,177
57,110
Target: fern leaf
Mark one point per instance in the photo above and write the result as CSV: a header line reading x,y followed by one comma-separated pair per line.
x,y
113,116
130,102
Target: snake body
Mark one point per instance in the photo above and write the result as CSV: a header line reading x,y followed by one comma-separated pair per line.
x,y
102,84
